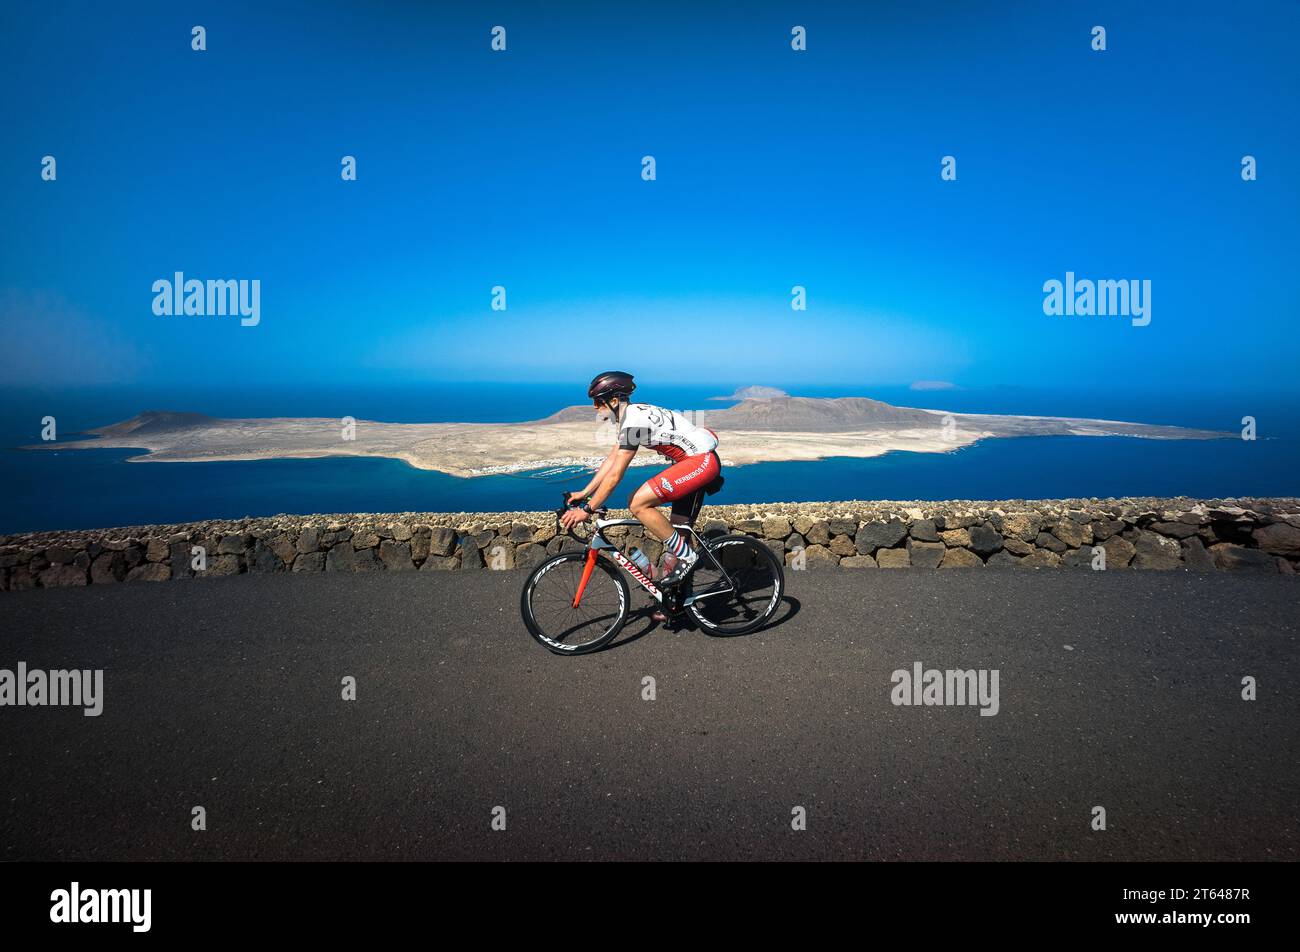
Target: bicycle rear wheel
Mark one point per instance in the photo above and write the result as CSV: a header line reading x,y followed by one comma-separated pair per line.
x,y
547,604
758,579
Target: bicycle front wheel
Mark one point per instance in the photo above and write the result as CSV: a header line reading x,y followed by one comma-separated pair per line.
x,y
757,580
549,612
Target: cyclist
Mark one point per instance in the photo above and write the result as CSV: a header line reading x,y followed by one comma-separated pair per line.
x,y
695,466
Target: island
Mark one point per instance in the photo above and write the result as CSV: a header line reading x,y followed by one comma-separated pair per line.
x,y
772,427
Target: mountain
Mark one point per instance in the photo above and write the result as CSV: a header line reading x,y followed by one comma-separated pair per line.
x,y
757,392
155,421
813,415
784,413
585,414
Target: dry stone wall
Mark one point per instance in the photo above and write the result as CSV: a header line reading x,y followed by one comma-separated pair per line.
x,y
1258,535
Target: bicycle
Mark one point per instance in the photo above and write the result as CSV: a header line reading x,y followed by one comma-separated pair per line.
x,y
576,602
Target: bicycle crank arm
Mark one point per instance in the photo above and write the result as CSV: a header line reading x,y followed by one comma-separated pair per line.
x,y
707,593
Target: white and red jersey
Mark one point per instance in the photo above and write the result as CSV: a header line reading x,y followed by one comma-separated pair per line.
x,y
667,432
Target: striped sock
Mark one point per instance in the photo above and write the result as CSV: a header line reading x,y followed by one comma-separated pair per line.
x,y
677,545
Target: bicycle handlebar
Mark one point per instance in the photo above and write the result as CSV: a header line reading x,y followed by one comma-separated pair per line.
x,y
573,505
566,506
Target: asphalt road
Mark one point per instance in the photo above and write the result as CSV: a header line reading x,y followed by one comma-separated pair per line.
x,y
1119,689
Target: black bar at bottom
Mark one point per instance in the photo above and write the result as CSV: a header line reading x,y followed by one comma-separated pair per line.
x,y
336,902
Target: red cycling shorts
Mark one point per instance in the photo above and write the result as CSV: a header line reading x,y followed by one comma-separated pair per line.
x,y
688,475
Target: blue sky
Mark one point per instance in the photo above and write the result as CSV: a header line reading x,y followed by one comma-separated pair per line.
x,y
775,168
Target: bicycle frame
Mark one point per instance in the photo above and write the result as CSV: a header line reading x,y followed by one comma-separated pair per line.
x,y
598,543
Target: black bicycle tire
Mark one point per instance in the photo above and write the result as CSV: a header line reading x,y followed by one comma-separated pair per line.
x,y
534,629
763,619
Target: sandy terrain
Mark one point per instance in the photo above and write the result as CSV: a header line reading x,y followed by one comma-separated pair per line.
x,y
755,431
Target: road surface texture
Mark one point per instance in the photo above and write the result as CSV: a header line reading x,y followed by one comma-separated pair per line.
x,y
1119,690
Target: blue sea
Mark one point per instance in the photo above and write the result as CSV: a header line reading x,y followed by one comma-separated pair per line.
x,y
75,489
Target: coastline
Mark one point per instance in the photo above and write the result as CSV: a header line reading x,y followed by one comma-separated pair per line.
x,y
470,450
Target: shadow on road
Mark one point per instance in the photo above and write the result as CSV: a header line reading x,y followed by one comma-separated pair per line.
x,y
640,623
792,606
639,620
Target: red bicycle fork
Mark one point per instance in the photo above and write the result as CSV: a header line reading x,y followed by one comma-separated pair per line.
x,y
592,555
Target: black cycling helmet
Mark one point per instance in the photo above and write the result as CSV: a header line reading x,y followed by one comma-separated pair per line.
x,y
612,383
